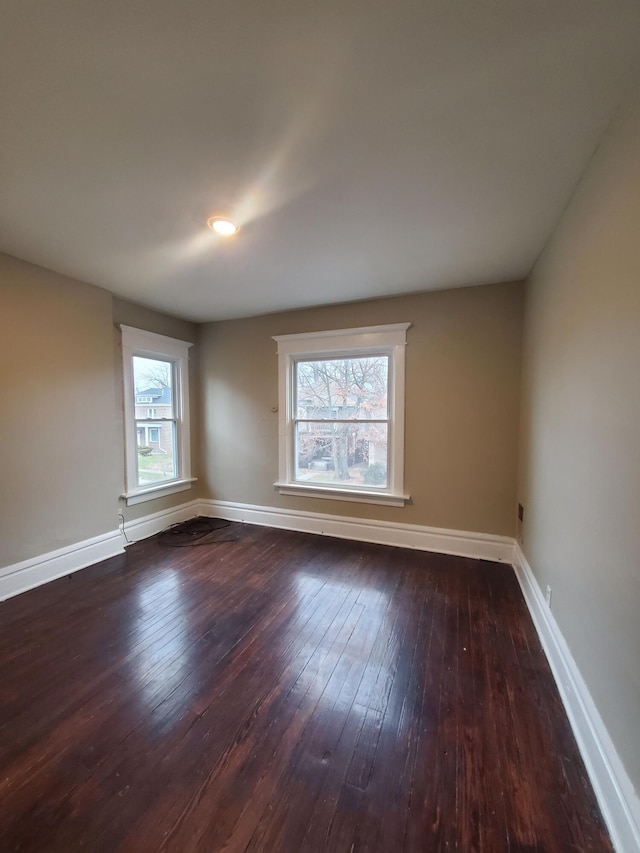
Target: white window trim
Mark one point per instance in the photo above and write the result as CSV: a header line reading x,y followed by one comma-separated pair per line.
x,y
388,340
151,345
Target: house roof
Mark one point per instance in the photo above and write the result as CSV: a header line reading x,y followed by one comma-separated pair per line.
x,y
365,149
161,396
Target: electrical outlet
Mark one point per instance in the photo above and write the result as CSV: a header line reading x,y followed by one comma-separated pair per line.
x,y
548,596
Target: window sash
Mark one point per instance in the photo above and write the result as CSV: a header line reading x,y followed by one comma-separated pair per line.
x,y
169,456
294,420
345,357
355,442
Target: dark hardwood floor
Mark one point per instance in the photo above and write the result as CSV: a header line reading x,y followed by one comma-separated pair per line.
x,y
284,692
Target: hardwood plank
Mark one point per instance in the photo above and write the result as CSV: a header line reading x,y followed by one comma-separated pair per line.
x,y
284,692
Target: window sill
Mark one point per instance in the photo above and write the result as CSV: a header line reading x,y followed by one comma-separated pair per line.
x,y
352,495
139,496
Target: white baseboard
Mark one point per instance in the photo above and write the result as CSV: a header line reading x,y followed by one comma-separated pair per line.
x,y
36,571
614,790
28,574
149,525
483,546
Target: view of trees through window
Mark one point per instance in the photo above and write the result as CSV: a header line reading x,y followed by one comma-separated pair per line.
x,y
155,436
342,420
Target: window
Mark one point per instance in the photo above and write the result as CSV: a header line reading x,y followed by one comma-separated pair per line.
x,y
158,458
342,414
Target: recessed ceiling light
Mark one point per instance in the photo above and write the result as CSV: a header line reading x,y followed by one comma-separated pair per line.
x,y
222,226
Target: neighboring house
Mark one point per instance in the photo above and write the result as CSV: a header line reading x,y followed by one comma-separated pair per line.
x,y
153,404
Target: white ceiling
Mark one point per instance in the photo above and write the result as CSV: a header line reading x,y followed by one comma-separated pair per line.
x,y
366,148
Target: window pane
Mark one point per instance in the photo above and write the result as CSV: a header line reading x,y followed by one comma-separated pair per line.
x,y
153,384
156,452
351,454
342,388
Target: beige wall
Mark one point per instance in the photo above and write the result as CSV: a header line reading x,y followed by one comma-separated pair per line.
x,y
61,436
463,369
58,441
580,447
130,314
